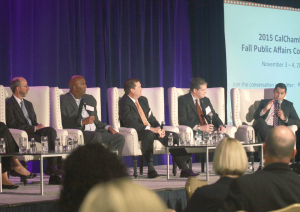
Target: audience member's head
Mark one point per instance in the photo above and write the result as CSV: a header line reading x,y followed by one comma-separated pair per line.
x,y
230,158
121,195
279,146
85,167
77,85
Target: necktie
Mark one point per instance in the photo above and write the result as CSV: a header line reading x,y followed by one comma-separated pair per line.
x,y
275,117
25,112
142,114
200,114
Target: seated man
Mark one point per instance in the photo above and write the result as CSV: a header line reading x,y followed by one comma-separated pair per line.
x,y
134,112
194,107
20,115
276,186
270,113
79,111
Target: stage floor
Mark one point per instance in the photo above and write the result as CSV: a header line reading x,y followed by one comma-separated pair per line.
x,y
29,193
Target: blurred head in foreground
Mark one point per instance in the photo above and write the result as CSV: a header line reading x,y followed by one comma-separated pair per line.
x,y
121,195
230,158
85,167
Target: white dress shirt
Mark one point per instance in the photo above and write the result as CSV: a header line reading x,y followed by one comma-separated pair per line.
x,y
270,118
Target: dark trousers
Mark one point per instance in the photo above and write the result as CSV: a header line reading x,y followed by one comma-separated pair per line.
x,y
51,134
262,129
147,137
115,141
10,144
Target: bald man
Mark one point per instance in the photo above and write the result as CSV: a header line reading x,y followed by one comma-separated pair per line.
x,y
20,115
79,111
276,186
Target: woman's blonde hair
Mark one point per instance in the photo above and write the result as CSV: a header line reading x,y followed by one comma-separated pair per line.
x,y
230,158
121,195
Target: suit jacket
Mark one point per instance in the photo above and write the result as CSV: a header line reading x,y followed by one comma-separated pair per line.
x,y
15,117
130,117
71,117
275,187
209,197
188,115
286,106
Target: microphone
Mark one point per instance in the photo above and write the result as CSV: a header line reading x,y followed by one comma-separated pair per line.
x,y
210,117
162,125
279,104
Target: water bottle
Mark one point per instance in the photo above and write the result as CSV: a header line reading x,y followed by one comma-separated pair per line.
x,y
32,146
199,136
44,144
170,140
70,144
57,145
2,146
196,139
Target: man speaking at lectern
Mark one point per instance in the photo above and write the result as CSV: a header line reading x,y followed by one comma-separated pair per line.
x,y
273,112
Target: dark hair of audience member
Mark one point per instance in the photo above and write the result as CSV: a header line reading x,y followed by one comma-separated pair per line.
x,y
85,167
130,84
281,85
196,83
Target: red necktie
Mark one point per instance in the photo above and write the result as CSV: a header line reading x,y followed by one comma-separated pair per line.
x,y
200,114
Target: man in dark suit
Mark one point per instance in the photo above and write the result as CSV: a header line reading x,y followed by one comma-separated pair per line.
x,y
20,115
79,111
276,186
270,113
134,112
193,114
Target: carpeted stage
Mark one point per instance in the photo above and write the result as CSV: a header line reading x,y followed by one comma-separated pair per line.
x,y
26,198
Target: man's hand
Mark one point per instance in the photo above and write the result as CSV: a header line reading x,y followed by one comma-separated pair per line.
x,y
88,120
158,131
280,114
207,128
222,129
39,126
112,130
268,106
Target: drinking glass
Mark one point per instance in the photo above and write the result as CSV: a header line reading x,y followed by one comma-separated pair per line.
x,y
75,142
44,142
250,136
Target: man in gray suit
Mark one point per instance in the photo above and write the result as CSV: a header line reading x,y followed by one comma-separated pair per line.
x,y
78,111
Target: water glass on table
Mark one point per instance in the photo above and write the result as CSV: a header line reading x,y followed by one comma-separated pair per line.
x,y
75,142
22,145
32,146
58,145
2,146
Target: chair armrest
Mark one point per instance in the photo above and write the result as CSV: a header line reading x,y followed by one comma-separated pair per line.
x,y
60,132
231,130
76,132
171,129
131,147
242,133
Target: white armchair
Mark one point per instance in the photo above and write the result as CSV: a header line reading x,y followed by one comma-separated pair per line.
x,y
132,146
39,97
244,103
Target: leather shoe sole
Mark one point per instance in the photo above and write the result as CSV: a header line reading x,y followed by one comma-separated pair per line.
x,y
10,186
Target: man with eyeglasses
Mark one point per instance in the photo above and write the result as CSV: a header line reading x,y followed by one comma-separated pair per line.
x,y
20,115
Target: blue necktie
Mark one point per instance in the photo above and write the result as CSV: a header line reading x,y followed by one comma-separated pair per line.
x,y
25,112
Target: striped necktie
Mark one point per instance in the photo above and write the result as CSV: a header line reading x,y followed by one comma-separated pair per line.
x,y
275,117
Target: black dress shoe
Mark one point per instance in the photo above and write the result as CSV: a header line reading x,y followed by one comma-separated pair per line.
x,y
54,180
10,186
153,174
16,174
188,173
51,170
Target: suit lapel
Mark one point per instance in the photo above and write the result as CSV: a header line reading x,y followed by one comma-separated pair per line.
x,y
72,101
131,103
190,99
18,108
